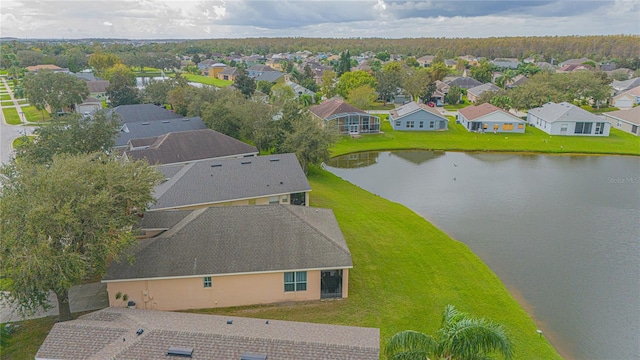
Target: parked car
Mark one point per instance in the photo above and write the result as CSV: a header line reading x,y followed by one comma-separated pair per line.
x,y
431,104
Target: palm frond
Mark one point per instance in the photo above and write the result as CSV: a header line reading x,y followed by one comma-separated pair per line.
x,y
410,345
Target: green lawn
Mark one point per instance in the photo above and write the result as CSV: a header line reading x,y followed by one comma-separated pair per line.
x,y
381,106
589,108
404,272
11,116
207,80
5,96
34,115
21,140
465,102
458,138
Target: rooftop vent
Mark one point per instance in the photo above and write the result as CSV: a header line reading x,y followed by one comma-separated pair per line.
x,y
146,123
274,160
179,351
245,162
216,165
229,322
165,121
139,332
253,357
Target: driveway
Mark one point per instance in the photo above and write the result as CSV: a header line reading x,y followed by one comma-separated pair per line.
x,y
84,297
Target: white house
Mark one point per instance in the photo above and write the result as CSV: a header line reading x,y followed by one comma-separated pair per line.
x,y
567,119
627,99
487,117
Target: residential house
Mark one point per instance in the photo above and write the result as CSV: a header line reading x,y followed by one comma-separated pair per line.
x,y
299,90
506,63
574,62
143,112
273,77
627,99
253,60
487,117
575,67
425,61
88,106
233,256
213,70
228,74
118,333
462,82
98,88
53,68
516,81
545,66
346,118
475,92
150,129
625,120
260,180
622,86
187,146
450,63
567,119
417,117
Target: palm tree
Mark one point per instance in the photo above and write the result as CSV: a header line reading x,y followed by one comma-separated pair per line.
x,y
460,337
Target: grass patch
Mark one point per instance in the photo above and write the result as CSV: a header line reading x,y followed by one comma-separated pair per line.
x,y
465,102
458,138
591,109
34,115
5,97
22,140
207,80
11,116
381,106
405,271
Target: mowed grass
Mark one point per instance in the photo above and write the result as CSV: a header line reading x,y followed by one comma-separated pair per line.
x,y
405,271
11,116
207,80
457,138
34,115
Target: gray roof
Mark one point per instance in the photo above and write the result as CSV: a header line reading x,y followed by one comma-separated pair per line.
x,y
478,90
148,129
412,107
630,116
99,335
622,86
183,146
238,239
222,180
552,112
270,76
463,82
144,113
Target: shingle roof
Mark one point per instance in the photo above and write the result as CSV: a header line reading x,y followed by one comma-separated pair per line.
x,y
100,335
238,239
223,180
622,86
473,112
260,67
631,115
228,71
464,82
98,86
478,90
192,145
634,91
410,108
333,107
141,129
43,67
269,76
144,113
552,112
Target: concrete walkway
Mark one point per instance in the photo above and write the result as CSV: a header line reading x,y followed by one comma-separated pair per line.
x,y
84,297
8,133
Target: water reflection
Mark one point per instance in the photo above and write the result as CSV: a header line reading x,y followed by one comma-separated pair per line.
x,y
354,161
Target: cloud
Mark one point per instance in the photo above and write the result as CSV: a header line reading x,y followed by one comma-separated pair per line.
x,y
106,23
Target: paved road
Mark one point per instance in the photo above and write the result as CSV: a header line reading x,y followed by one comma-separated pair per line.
x,y
8,133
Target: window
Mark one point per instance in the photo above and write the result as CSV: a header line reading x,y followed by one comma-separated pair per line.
x,y
634,129
599,128
274,200
295,281
583,128
421,124
507,126
431,124
207,281
410,124
619,123
398,123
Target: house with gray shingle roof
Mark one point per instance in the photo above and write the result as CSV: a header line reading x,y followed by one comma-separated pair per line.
x,y
111,333
345,118
567,119
475,92
143,113
463,82
417,117
234,256
187,146
625,120
487,117
150,129
269,179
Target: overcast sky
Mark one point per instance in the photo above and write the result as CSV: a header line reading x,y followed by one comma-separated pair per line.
x,y
151,19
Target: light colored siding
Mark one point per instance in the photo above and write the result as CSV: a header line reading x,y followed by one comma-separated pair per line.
x,y
416,117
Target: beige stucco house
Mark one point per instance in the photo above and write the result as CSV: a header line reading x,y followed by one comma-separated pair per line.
x,y
233,256
625,120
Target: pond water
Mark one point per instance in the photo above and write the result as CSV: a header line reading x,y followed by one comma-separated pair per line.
x,y
562,232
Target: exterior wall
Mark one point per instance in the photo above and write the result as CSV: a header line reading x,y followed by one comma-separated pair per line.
x,y
625,101
228,77
355,124
623,125
229,290
556,128
89,107
417,117
496,121
265,200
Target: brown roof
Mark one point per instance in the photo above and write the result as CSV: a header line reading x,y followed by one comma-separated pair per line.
x,y
41,67
183,146
631,115
474,112
333,107
634,91
98,86
111,334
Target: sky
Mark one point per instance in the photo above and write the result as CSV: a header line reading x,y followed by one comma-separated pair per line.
x,y
152,19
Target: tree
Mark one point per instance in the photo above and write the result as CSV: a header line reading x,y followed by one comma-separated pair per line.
x,y
264,86
383,56
244,83
362,97
344,64
281,93
416,82
120,73
62,222
503,102
329,79
482,72
102,61
439,71
196,59
460,337
56,90
308,141
156,91
412,62
73,135
454,95
354,79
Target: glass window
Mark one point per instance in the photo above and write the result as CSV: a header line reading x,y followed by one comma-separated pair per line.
x,y
398,123
295,281
431,124
410,124
421,124
274,200
207,281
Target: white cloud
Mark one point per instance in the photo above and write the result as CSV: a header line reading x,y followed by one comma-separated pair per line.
x,y
106,23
